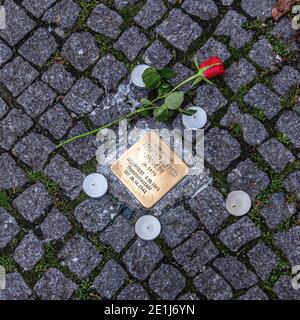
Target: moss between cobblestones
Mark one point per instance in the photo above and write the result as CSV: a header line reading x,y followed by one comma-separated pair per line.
x,y
84,290
290,101
5,201
8,263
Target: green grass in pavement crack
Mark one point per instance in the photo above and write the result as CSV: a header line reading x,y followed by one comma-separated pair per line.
x,y
265,29
34,177
86,10
84,290
291,100
8,263
5,201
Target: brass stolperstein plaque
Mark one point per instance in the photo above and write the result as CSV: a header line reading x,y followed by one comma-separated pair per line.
x,y
150,169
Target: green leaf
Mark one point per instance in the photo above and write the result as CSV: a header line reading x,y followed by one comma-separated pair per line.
x,y
151,78
174,100
162,113
187,112
146,113
167,74
164,89
145,102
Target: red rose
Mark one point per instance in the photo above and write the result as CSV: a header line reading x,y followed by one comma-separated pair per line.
x,y
216,69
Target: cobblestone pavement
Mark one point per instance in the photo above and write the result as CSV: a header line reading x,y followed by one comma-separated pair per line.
x,y
64,65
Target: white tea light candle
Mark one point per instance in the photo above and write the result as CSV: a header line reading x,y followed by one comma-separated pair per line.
x,y
95,185
148,227
238,203
197,120
137,75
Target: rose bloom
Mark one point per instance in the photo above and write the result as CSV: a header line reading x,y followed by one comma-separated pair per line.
x,y
214,71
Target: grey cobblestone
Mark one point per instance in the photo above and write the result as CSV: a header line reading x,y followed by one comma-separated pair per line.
x,y
83,97
33,202
83,150
277,210
182,73
179,29
283,31
119,234
141,258
68,178
246,176
55,226
209,204
212,285
188,296
109,71
167,282
210,99
258,9
284,289
288,242
63,14
236,272
17,75
18,23
151,12
95,215
287,78
80,256
131,42
133,292
292,183
262,53
195,253
213,48
239,74
205,10
56,120
58,78
5,53
263,259
232,26
254,293
11,176
177,224
16,288
12,127
54,285
263,98
39,48
29,252
81,50
3,108
36,7
239,233
110,279
254,132
276,154
157,55
34,150
221,148
36,98
8,228
288,124
105,21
